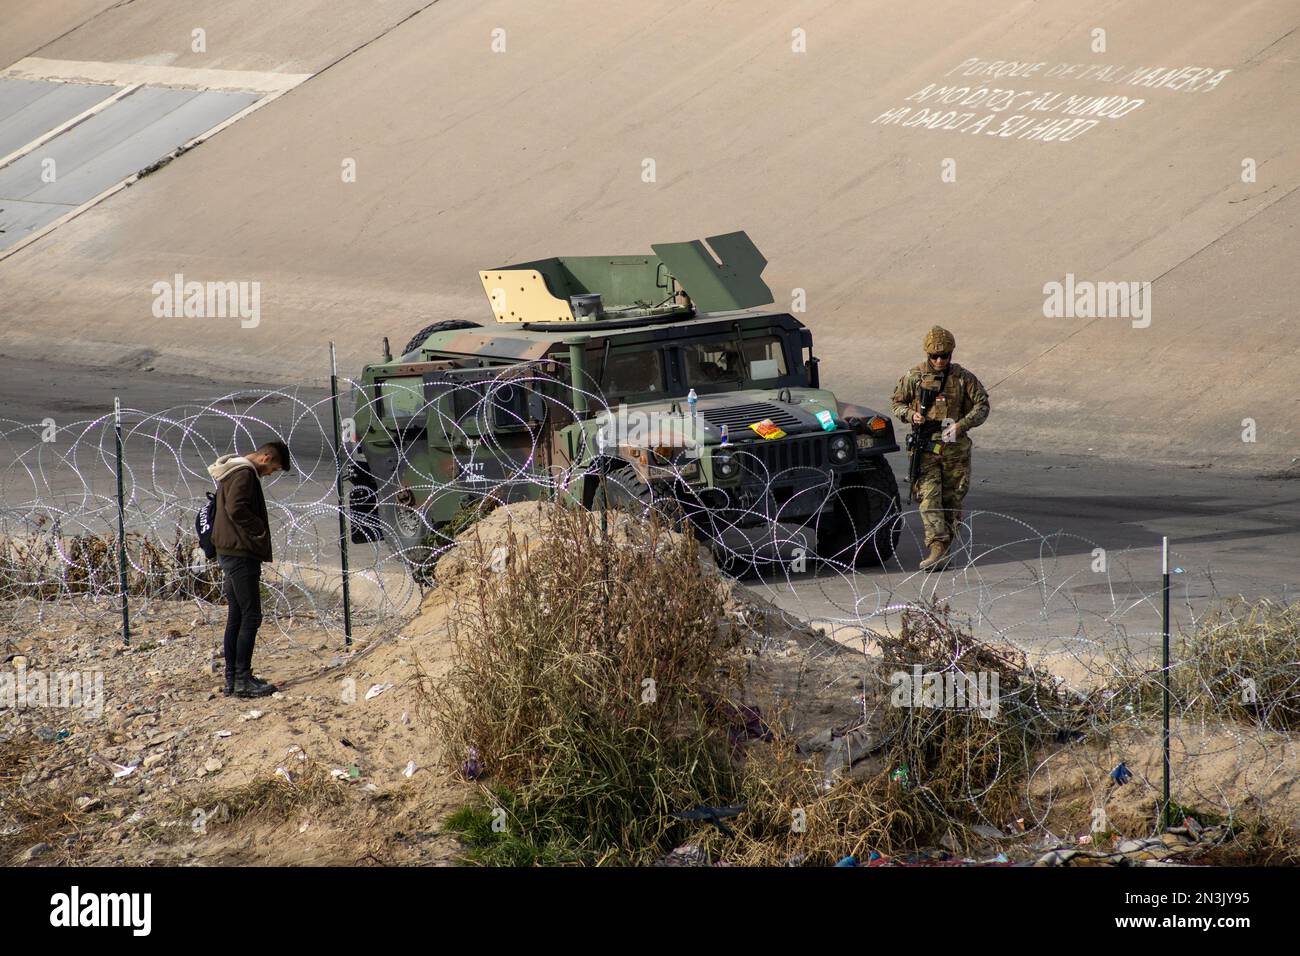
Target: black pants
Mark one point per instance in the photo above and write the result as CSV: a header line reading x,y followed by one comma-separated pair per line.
x,y
244,613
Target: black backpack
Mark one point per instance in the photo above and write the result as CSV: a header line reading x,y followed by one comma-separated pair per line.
x,y
203,526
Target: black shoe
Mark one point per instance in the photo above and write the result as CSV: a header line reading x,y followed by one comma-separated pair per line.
x,y
229,689
250,686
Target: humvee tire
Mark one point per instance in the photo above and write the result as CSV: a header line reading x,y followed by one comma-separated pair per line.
x,y
410,534
861,529
627,492
450,325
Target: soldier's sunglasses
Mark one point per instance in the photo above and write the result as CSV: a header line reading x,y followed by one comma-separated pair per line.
x,y
940,355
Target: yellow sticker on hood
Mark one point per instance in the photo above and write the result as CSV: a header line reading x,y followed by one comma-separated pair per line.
x,y
767,429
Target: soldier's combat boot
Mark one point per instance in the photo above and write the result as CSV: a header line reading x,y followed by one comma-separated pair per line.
x,y
229,689
934,560
250,686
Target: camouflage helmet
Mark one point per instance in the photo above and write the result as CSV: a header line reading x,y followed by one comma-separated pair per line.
x,y
937,340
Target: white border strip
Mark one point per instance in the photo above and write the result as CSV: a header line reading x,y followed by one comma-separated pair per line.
x,y
178,77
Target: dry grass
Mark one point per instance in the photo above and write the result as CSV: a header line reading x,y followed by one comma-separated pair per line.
x,y
272,798
35,813
932,773
1242,662
49,567
590,682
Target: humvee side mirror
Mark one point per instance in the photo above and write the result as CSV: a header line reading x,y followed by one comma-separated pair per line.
x,y
806,341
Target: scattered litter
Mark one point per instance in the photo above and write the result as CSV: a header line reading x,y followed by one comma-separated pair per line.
x,y
338,772
746,724
282,772
899,776
252,715
376,690
119,770
714,815
472,769
406,719
1121,774
410,770
685,855
847,861
222,733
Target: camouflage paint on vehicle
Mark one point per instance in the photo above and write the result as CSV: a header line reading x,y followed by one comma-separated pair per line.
x,y
527,408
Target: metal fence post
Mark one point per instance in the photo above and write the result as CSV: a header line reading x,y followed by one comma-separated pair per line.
x,y
121,522
338,488
1164,586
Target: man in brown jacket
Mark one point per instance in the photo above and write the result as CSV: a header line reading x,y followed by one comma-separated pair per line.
x,y
241,533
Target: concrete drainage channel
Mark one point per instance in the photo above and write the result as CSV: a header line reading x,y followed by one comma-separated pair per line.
x,y
72,133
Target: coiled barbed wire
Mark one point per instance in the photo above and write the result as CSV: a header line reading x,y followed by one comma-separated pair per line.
x,y
58,541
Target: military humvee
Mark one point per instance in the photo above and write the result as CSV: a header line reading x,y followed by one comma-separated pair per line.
x,y
650,382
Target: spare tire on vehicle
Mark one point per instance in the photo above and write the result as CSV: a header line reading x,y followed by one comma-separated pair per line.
x,y
450,325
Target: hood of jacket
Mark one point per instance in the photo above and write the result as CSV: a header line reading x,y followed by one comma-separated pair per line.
x,y
224,465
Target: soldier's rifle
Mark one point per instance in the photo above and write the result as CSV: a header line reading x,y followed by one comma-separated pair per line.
x,y
921,435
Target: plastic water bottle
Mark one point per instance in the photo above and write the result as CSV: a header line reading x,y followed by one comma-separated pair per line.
x,y
692,400
725,437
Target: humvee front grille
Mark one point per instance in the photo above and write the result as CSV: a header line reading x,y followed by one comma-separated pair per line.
x,y
768,459
736,417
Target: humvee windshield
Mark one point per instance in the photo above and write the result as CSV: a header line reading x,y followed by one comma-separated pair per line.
x,y
706,365
629,373
717,362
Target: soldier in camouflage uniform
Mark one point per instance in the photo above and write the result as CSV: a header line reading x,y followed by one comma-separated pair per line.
x,y
961,405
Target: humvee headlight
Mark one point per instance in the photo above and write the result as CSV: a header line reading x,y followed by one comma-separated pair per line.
x,y
841,448
724,466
